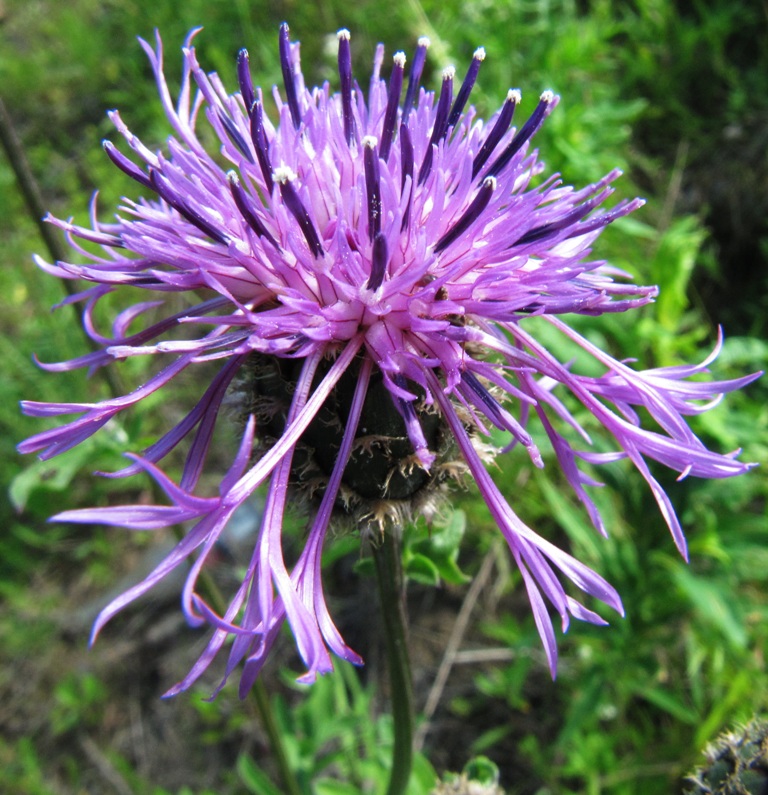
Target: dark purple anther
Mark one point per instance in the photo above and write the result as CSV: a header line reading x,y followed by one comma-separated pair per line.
x,y
406,166
393,102
379,262
568,220
471,214
169,195
287,68
441,119
244,79
490,406
284,177
466,88
417,67
371,166
247,208
127,166
599,221
259,137
235,135
497,133
345,75
536,119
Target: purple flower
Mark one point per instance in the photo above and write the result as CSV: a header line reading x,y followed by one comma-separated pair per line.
x,y
361,247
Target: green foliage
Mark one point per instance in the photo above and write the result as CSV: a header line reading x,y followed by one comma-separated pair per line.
x,y
334,744
430,555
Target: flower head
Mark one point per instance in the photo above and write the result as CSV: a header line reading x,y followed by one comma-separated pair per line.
x,y
379,259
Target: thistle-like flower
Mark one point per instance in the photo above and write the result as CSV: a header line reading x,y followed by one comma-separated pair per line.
x,y
370,265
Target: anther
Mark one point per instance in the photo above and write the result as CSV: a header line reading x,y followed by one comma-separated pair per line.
x,y
247,208
393,101
235,135
547,102
471,214
168,193
501,126
441,118
287,68
406,168
345,75
285,176
466,88
259,138
417,67
371,165
126,165
379,262
244,79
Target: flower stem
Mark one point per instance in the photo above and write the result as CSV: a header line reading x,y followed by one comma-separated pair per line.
x,y
389,574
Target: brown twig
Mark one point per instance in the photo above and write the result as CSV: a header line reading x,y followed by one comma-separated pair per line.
x,y
33,200
454,642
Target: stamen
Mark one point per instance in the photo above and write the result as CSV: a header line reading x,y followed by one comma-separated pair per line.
x,y
417,67
259,138
619,211
441,117
284,176
406,168
235,135
393,101
379,262
166,192
287,69
126,166
247,208
471,214
536,119
503,121
466,88
345,74
244,79
371,165
576,214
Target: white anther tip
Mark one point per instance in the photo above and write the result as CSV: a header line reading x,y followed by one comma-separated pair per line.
x,y
548,96
514,95
449,73
283,174
424,41
370,141
399,59
343,33
479,54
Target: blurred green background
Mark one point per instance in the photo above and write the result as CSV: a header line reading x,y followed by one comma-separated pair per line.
x,y
673,91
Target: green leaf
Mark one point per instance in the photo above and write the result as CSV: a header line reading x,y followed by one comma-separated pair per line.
x,y
441,547
482,770
422,569
327,786
254,778
664,700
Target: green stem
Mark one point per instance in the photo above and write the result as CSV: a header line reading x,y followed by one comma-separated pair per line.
x,y
389,574
267,715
